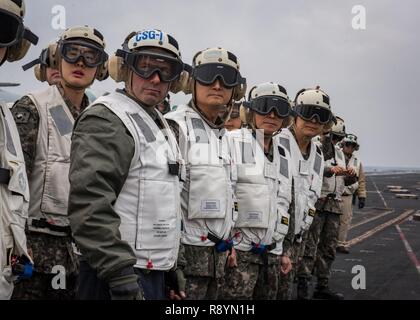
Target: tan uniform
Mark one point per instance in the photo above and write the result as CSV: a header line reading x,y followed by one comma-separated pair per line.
x,y
347,207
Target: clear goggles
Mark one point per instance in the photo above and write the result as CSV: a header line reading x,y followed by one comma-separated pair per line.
x,y
147,63
73,51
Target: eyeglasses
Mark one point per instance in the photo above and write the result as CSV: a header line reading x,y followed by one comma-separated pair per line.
x,y
145,64
207,74
308,112
12,29
266,104
73,51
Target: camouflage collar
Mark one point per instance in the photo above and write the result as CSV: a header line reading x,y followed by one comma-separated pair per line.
x,y
73,109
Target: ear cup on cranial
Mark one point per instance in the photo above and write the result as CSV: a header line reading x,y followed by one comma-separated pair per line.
x,y
117,69
40,73
239,92
102,72
183,83
18,51
243,114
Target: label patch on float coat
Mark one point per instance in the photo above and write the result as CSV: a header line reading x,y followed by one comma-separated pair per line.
x,y
210,205
303,167
253,216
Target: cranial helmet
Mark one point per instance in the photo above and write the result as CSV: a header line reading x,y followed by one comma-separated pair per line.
x,y
351,138
87,37
339,128
265,98
141,46
216,63
314,103
44,61
14,35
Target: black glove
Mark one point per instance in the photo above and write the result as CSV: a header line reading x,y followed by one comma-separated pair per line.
x,y
125,286
175,280
362,203
348,181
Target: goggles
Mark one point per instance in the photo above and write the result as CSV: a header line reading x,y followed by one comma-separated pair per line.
x,y
350,144
336,137
146,63
207,74
73,51
266,104
308,112
13,30
234,114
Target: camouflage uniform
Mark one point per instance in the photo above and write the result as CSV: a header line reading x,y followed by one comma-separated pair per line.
x,y
291,248
286,282
252,280
320,246
47,250
204,270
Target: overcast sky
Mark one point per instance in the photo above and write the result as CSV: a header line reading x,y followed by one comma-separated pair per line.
x,y
372,75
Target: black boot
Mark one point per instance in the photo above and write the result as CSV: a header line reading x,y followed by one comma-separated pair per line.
x,y
325,293
302,289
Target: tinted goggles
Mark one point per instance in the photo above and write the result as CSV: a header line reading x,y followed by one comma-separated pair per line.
x,y
350,144
308,112
145,64
337,137
234,114
266,104
73,51
207,74
12,29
